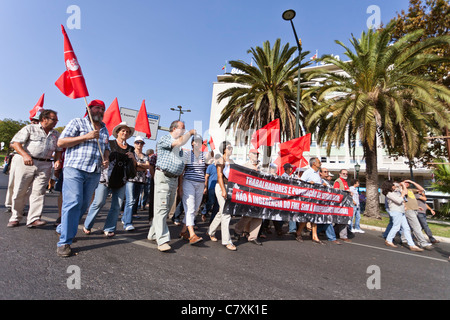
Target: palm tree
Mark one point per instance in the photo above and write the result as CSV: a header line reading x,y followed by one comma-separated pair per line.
x,y
265,91
381,99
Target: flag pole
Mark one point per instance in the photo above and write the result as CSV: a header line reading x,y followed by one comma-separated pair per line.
x,y
93,126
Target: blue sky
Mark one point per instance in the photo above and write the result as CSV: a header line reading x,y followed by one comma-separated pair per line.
x,y
166,52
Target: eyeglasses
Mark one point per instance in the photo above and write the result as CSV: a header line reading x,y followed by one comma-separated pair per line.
x,y
230,148
139,142
53,119
344,174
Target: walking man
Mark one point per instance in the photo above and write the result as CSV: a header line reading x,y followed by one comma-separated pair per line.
x,y
82,166
169,166
35,145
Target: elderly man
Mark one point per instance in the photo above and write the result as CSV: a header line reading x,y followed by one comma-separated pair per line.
x,y
82,166
169,166
341,184
35,145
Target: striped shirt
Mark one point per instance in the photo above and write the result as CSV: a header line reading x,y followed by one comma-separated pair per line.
x,y
195,169
36,142
85,156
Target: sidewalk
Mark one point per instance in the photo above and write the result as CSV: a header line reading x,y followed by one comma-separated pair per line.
x,y
368,227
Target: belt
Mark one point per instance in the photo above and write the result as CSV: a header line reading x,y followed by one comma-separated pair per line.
x,y
166,173
41,159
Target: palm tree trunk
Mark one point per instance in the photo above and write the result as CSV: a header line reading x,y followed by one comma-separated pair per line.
x,y
372,195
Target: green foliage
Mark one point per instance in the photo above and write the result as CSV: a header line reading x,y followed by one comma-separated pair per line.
x,y
8,128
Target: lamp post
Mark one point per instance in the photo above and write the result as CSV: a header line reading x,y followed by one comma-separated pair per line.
x,y
288,15
357,168
180,111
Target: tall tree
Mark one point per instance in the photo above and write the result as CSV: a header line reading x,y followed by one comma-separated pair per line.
x,y
380,97
433,16
264,91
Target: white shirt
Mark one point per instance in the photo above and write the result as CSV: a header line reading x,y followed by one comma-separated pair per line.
x,y
311,175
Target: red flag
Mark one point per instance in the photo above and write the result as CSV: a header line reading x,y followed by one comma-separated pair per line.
x,y
296,146
208,145
71,82
142,124
38,107
112,116
292,152
267,135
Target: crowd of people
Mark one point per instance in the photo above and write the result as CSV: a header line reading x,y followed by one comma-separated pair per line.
x,y
89,167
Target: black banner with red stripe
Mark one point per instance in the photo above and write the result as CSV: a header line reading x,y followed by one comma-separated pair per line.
x,y
255,194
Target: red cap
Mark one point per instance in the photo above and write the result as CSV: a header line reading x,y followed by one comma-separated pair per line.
x,y
97,103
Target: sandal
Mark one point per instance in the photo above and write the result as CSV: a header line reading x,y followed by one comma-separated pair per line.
x,y
231,247
299,238
86,231
184,235
213,239
318,241
109,234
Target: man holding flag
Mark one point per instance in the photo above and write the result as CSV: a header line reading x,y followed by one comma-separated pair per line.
x,y
82,166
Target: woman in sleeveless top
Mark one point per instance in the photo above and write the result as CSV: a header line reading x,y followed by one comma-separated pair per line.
x,y
191,187
223,170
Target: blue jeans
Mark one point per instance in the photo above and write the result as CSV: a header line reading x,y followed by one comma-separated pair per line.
x,y
132,193
399,222
329,231
356,217
77,190
101,193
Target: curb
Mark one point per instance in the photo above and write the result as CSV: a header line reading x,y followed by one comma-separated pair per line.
x,y
365,226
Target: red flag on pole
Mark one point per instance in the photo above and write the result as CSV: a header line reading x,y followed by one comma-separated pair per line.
x,y
292,152
142,124
296,146
267,135
38,107
71,82
112,116
208,145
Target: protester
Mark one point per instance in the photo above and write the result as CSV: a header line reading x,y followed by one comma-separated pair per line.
x,y
10,188
135,184
144,200
151,196
422,215
311,175
35,145
412,208
85,143
247,224
293,226
356,207
396,204
327,227
210,183
191,187
120,154
341,184
169,166
223,170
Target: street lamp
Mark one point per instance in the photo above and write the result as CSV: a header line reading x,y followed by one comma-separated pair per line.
x,y
288,15
357,168
180,111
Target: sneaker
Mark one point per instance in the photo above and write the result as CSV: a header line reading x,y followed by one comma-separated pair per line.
x,y
64,251
164,247
359,231
129,228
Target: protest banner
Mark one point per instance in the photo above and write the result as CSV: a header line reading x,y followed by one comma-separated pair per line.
x,y
260,195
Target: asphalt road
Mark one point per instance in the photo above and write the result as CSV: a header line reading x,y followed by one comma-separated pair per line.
x,y
129,267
